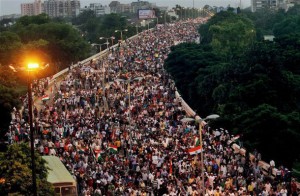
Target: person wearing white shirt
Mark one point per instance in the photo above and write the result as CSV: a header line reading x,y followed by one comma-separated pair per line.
x,y
190,189
283,191
264,192
268,186
52,152
159,182
211,179
151,177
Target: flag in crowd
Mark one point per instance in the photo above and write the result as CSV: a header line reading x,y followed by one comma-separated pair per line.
x,y
113,148
197,141
45,97
194,150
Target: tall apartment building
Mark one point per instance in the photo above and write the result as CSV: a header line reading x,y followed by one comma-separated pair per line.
x,y
31,9
62,8
257,5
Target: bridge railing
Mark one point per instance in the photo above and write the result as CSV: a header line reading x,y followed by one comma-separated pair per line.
x,y
85,61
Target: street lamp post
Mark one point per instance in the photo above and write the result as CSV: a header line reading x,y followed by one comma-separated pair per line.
x,y
107,38
31,67
121,31
100,46
200,120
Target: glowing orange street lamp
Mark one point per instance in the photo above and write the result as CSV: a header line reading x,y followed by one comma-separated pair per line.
x,y
32,66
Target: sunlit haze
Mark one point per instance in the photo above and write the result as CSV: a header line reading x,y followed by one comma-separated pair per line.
x,y
14,6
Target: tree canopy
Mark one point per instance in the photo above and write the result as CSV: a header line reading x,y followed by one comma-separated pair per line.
x,y
7,102
15,169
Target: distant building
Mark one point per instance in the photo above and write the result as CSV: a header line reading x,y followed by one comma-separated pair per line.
x,y
172,13
97,8
62,8
114,5
54,8
32,9
257,5
135,6
290,3
117,7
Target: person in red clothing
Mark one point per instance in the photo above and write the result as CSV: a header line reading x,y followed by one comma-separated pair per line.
x,y
46,150
293,187
90,182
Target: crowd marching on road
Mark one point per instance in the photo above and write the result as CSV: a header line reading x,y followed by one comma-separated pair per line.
x,y
116,125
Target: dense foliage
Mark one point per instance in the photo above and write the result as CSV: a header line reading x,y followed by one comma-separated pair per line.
x,y
253,84
56,43
15,169
7,102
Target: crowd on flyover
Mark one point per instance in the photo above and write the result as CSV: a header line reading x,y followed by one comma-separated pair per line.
x,y
117,126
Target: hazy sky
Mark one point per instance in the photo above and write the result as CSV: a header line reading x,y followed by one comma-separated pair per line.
x,y
14,6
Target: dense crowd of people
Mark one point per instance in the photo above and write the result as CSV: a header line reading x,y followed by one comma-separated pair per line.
x,y
117,126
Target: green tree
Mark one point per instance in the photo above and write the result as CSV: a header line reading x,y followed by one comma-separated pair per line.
x,y
7,102
265,125
6,72
28,20
61,42
231,37
15,169
83,17
9,48
228,33
289,25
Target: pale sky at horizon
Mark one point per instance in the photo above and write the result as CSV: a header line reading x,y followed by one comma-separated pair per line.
x,y
14,6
